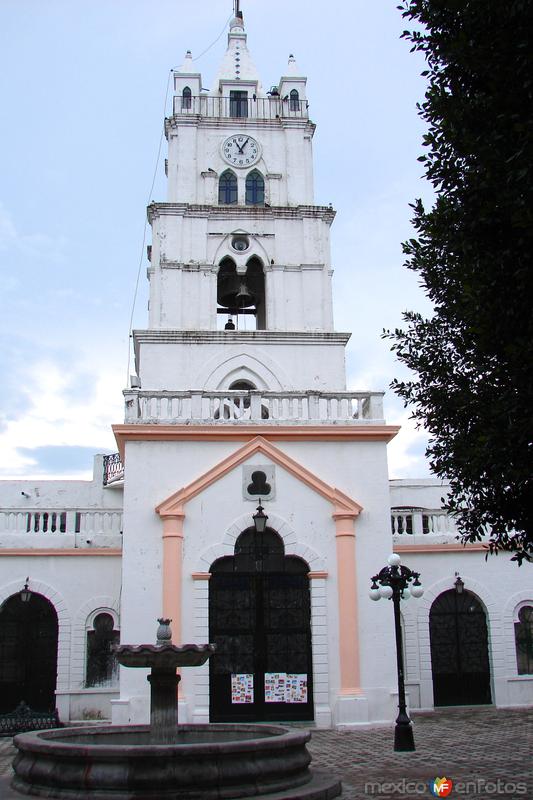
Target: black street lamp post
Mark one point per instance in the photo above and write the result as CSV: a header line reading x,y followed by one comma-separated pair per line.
x,y
396,582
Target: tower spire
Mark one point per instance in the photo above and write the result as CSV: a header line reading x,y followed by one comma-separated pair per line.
x,y
237,8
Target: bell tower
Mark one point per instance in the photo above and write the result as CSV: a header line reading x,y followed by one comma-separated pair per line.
x,y
240,252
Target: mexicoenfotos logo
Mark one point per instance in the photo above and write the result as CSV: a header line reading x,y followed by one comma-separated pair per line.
x,y
441,787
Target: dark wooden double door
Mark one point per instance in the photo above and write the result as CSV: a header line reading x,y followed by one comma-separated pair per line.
x,y
28,653
459,650
260,621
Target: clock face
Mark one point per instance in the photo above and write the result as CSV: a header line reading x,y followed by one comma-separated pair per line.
x,y
241,150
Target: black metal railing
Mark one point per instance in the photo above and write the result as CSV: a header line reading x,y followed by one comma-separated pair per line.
x,y
23,718
260,108
113,469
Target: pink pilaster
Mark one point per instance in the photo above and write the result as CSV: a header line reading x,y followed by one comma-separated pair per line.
x,y
350,673
172,571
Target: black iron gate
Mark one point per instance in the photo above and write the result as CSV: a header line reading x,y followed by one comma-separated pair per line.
x,y
260,620
28,653
459,650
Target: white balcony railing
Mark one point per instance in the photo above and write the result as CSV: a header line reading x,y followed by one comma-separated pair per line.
x,y
49,522
261,108
420,522
252,406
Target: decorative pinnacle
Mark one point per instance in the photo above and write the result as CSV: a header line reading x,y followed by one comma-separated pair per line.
x,y
164,634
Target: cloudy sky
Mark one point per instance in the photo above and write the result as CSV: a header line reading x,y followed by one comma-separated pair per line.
x,y
83,86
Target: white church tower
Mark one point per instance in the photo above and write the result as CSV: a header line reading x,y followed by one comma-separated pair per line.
x,y
240,401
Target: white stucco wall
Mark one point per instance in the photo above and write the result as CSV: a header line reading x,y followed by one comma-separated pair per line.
x,y
76,586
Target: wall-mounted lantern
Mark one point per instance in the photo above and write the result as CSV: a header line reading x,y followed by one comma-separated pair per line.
x,y
260,519
25,593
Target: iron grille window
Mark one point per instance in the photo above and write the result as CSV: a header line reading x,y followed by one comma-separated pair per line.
x,y
186,98
523,634
102,666
294,102
238,104
227,189
255,189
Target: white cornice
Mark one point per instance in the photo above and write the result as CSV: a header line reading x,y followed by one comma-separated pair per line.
x,y
155,336
156,210
230,123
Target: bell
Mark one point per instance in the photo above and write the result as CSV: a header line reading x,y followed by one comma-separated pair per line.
x,y
234,292
244,297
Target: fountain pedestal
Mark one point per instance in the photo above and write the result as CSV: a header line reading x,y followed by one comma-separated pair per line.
x,y
163,705
163,659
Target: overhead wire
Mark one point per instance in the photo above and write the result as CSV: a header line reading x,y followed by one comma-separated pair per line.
x,y
216,40
135,293
141,258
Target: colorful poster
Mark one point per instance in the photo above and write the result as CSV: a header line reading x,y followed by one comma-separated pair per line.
x,y
242,688
296,691
275,685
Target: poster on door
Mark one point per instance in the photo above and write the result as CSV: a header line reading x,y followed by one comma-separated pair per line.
x,y
296,691
242,688
275,687
283,687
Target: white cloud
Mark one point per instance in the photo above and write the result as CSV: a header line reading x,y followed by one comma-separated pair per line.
x,y
53,417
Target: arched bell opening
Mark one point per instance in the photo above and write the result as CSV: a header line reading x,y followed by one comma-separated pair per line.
x,y
28,652
241,298
260,620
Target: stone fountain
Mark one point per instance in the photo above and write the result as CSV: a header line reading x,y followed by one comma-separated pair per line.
x,y
164,760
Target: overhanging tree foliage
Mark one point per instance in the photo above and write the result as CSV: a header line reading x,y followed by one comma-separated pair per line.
x,y
473,359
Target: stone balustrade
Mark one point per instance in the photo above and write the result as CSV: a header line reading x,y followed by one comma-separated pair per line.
x,y
51,522
252,406
422,521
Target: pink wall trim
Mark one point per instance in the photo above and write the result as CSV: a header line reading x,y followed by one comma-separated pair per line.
x,y
341,502
201,576
70,551
349,653
128,433
318,574
440,548
172,571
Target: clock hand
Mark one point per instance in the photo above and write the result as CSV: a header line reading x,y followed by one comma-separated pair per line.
x,y
243,146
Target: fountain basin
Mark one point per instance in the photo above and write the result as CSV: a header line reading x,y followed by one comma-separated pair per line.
x,y
204,761
163,655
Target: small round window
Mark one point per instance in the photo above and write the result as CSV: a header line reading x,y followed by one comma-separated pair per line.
x,y
240,243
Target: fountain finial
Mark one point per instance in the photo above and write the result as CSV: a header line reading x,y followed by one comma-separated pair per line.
x,y
164,634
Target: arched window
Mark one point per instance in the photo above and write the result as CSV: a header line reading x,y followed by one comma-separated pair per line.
x,y
102,665
523,636
255,189
227,189
294,102
242,385
186,98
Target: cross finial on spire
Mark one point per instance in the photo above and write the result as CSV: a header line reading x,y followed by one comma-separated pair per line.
x,y
237,8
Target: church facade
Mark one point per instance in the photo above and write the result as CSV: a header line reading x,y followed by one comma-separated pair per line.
x,y
250,501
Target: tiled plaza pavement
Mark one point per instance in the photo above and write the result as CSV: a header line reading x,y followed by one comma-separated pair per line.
x,y
474,746
466,745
